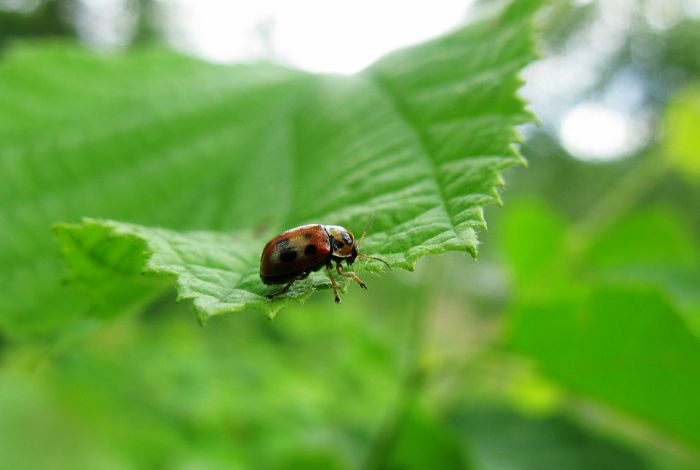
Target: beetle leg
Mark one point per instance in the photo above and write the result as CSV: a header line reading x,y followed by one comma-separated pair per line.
x,y
339,267
335,286
287,286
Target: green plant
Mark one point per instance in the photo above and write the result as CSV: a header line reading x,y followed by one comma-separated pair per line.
x,y
416,140
570,343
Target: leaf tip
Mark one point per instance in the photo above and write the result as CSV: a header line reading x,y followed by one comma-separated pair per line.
x,y
202,317
520,159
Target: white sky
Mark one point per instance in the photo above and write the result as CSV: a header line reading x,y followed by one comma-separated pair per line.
x,y
316,35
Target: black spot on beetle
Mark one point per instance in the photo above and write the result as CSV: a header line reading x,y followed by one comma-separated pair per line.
x,y
310,249
288,255
308,236
339,245
282,243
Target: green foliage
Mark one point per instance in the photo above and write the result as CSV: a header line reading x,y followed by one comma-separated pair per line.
x,y
615,328
682,139
422,441
417,141
623,346
501,439
157,390
572,343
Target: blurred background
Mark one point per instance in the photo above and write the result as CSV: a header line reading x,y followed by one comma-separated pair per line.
x,y
571,342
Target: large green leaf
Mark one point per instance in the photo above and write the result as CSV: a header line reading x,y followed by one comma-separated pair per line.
x,y
624,346
618,328
416,141
500,439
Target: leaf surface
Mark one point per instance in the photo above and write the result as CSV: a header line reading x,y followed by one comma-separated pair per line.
x,y
623,346
222,158
619,329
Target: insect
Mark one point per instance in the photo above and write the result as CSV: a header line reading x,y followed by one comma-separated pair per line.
x,y
293,255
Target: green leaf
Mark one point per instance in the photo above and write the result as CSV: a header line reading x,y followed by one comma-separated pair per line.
x,y
153,391
626,347
533,238
681,142
502,439
619,328
651,247
416,141
217,271
423,441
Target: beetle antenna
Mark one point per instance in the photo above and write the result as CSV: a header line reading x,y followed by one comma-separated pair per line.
x,y
362,255
362,237
364,232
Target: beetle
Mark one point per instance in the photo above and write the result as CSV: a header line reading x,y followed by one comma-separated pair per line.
x,y
293,255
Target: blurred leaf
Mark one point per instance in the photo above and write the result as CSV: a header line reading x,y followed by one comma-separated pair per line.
x,y
532,236
563,19
158,392
682,127
605,321
109,269
422,441
44,18
626,347
655,238
680,46
653,247
418,140
313,459
502,440
32,419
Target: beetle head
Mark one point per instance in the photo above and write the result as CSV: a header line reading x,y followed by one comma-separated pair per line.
x,y
344,244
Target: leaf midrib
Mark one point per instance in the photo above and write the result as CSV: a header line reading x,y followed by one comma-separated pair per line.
x,y
384,91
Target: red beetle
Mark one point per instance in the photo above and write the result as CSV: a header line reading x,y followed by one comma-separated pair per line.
x,y
294,254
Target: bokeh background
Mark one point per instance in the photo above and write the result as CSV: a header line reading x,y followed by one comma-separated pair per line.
x,y
572,342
